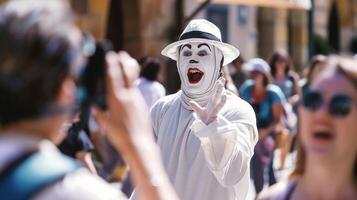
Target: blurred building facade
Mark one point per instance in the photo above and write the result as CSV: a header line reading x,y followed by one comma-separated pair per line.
x,y
257,30
144,27
336,22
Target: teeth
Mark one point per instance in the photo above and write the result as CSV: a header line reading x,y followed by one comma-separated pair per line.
x,y
194,71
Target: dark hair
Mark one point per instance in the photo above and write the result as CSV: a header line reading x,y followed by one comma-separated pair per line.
x,y
150,69
346,67
279,55
142,60
35,56
239,60
267,79
315,60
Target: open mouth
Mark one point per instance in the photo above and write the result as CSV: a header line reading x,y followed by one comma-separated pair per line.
x,y
323,135
194,75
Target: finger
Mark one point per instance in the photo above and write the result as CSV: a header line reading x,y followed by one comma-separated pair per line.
x,y
124,76
218,92
196,107
219,106
114,80
211,103
130,68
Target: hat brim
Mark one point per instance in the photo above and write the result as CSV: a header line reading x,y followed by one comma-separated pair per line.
x,y
249,68
229,52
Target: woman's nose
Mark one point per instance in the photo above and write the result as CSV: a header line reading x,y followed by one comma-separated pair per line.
x,y
193,61
323,110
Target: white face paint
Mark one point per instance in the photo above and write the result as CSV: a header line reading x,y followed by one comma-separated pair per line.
x,y
198,66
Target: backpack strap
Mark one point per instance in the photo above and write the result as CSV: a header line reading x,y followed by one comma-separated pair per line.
x,y
34,173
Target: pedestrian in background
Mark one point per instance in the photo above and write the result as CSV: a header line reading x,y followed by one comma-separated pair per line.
x,y
288,81
267,101
236,72
148,83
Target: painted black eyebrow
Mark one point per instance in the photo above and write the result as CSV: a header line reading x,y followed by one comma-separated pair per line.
x,y
204,44
187,45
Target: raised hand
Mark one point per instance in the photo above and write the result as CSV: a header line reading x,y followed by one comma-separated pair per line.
x,y
127,125
209,113
122,119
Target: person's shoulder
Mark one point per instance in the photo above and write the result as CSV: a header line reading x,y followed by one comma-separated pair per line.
x,y
278,191
273,88
164,102
158,86
81,184
245,88
140,81
238,109
235,101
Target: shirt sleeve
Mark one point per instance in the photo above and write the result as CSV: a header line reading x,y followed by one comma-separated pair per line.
x,y
276,94
228,146
80,185
83,142
162,90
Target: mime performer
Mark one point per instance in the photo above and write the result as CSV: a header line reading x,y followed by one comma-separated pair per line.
x,y
206,134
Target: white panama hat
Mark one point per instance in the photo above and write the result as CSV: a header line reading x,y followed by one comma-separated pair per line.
x,y
257,64
201,30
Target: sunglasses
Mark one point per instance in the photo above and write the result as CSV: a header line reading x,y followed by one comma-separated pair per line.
x,y
340,105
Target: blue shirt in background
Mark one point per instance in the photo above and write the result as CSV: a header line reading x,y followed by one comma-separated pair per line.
x,y
287,87
264,109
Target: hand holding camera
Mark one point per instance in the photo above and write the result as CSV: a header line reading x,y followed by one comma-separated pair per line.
x,y
124,101
127,125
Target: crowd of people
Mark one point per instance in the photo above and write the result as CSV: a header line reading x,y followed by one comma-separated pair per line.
x,y
225,127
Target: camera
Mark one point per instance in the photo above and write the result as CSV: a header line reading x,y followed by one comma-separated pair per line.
x,y
92,81
91,91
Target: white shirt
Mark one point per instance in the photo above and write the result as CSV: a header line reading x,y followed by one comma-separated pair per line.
x,y
80,184
208,162
151,90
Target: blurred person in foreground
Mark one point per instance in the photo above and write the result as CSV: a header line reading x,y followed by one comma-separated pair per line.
x,y
148,83
206,134
288,82
267,101
40,58
326,165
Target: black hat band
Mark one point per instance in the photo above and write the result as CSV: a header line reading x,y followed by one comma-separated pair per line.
x,y
199,34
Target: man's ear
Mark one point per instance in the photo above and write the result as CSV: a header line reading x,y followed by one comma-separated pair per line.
x,y
66,92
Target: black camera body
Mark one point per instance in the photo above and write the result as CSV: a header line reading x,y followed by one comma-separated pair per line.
x,y
92,83
92,91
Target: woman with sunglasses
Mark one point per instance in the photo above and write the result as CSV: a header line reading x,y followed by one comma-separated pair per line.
x,y
327,155
266,100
